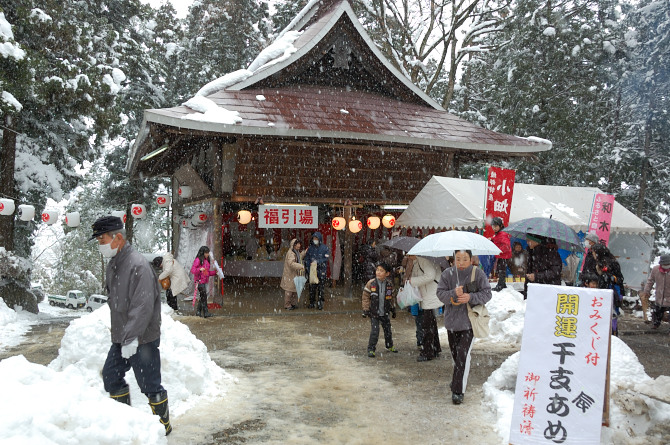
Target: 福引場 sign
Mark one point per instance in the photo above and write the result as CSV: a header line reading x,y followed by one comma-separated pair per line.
x,y
560,386
288,217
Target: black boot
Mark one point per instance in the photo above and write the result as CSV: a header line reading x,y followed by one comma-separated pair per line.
x,y
501,284
205,311
159,406
122,395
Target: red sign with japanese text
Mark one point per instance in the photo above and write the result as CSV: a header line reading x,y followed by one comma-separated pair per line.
x,y
601,216
560,385
499,190
288,217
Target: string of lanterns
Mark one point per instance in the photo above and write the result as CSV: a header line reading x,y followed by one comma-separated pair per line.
x,y
338,223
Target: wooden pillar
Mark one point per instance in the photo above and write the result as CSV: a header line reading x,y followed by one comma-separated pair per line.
x,y
347,256
176,211
216,217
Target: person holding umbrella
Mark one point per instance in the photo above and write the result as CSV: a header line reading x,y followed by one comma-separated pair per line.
x,y
424,276
459,286
544,262
292,267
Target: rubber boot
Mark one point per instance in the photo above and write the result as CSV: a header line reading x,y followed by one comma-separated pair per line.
x,y
501,284
205,311
122,395
159,406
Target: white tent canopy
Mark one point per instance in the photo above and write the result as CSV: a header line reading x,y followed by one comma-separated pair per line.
x,y
459,203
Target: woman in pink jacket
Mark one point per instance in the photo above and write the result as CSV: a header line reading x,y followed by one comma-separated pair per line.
x,y
201,274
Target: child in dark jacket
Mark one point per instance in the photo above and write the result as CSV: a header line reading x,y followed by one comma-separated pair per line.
x,y
377,305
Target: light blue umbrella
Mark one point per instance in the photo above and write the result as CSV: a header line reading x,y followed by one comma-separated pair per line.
x,y
445,243
299,281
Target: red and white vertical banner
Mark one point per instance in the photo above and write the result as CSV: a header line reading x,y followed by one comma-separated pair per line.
x,y
288,217
499,191
560,384
601,216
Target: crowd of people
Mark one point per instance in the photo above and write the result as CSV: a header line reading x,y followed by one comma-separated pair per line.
x,y
446,289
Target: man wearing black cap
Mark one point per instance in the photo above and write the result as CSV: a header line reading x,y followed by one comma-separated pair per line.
x,y
135,308
660,276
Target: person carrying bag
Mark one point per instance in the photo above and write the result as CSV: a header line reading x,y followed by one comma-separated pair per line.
x,y
478,314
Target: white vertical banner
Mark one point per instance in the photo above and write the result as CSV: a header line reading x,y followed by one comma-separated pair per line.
x,y
560,386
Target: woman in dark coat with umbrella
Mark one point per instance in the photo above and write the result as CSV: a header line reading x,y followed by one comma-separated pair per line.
x,y
544,262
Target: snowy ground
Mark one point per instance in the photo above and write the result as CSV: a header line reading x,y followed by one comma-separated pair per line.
x,y
74,408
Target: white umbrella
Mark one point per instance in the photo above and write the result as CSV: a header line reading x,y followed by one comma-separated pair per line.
x,y
444,244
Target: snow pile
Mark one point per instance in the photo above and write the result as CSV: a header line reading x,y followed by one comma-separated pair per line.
x,y
279,50
13,327
79,411
224,82
507,309
631,412
209,111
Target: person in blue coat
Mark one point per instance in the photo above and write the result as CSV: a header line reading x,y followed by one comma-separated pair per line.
x,y
317,253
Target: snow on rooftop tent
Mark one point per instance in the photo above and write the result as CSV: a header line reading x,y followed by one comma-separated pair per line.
x,y
452,202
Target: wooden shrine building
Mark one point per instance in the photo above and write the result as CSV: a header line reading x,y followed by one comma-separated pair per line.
x,y
330,122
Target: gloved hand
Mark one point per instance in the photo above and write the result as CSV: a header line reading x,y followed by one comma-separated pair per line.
x,y
366,314
130,349
393,314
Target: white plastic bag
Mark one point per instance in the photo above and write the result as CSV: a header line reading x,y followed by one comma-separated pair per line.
x,y
408,296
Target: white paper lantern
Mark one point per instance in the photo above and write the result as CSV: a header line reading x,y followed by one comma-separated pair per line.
x,y
244,216
120,214
185,192
50,217
388,221
6,206
373,222
339,223
26,212
72,219
199,219
163,200
355,225
139,211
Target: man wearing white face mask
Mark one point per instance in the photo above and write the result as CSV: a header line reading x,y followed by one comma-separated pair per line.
x,y
135,310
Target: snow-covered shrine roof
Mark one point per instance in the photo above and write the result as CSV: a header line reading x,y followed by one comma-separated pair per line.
x,y
323,78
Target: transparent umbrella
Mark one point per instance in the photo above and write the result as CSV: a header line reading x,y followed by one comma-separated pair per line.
x,y
299,281
445,243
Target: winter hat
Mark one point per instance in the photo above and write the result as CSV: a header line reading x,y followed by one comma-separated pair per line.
x,y
592,237
533,237
665,260
106,224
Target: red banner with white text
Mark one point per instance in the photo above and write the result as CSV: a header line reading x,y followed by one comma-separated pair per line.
x,y
499,191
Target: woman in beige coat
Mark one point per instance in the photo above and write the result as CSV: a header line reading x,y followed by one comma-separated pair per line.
x,y
292,266
425,276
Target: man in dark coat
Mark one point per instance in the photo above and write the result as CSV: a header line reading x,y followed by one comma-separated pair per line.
x,y
317,253
544,262
589,268
135,312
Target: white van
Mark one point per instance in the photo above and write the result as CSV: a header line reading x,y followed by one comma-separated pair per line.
x,y
95,301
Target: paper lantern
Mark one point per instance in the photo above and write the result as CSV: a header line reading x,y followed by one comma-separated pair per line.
x,y
50,217
185,192
373,222
120,214
6,206
388,221
339,223
162,200
26,212
244,217
355,225
199,219
72,219
139,211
